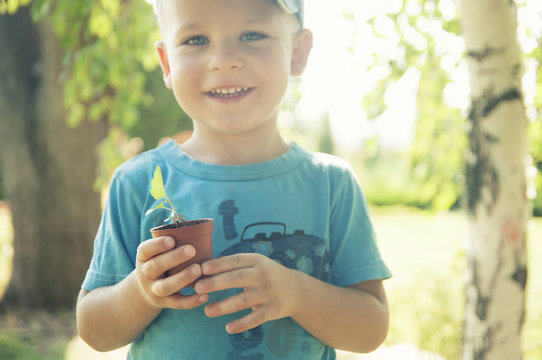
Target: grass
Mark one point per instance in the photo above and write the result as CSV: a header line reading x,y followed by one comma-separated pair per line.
x,y
423,251
425,254
35,335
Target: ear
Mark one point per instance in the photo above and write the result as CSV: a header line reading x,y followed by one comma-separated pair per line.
x,y
164,62
301,51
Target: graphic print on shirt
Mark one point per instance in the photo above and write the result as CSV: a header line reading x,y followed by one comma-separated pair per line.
x,y
228,210
296,250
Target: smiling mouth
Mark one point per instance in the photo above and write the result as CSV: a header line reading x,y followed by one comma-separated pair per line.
x,y
226,93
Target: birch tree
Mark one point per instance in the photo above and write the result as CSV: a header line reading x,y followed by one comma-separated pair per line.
x,y
496,184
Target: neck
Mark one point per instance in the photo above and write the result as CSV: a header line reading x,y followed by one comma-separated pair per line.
x,y
234,149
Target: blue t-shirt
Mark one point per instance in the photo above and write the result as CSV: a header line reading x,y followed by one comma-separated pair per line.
x,y
304,210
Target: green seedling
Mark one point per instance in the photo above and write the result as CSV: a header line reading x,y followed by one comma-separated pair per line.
x,y
158,192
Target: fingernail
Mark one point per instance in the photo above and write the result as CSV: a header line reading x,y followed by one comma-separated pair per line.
x,y
189,251
196,270
169,242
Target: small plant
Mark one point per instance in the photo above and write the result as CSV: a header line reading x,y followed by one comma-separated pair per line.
x,y
158,192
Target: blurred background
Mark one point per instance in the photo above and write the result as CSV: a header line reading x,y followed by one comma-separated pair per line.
x,y
386,88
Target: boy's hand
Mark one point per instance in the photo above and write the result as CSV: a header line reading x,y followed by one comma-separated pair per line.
x,y
154,258
268,289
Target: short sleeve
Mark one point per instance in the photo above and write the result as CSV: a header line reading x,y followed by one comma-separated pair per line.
x,y
354,253
117,239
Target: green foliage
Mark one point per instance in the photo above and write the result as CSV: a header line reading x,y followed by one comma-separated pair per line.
x,y
435,161
535,136
436,155
11,6
435,158
325,141
109,73
105,57
159,117
112,151
535,131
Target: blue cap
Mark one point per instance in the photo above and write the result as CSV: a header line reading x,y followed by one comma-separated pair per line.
x,y
293,7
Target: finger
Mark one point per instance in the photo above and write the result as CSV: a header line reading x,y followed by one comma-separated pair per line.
x,y
178,301
247,322
152,247
172,284
158,265
227,263
241,278
245,300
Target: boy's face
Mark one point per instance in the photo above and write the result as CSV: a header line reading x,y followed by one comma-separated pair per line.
x,y
228,62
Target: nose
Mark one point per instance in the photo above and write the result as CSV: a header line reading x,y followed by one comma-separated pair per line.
x,y
224,57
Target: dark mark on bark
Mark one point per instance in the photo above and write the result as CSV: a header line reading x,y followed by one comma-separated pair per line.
x,y
493,102
520,276
480,170
482,351
482,303
485,53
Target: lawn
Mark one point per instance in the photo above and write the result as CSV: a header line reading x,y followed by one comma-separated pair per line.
x,y
423,251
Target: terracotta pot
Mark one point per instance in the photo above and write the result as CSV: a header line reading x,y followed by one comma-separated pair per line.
x,y
198,233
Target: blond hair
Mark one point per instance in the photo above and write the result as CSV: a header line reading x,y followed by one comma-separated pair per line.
x,y
160,8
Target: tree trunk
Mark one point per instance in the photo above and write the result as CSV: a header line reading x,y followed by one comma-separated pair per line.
x,y
47,168
496,185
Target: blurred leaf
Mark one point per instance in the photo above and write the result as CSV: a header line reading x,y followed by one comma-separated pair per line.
x,y
76,115
11,6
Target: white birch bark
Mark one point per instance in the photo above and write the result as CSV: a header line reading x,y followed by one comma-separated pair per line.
x,y
496,185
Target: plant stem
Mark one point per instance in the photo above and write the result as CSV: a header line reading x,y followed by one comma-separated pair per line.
x,y
175,211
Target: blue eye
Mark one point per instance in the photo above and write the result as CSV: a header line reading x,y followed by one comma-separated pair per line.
x,y
252,36
197,41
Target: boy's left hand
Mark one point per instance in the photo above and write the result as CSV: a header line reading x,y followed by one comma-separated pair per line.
x,y
268,289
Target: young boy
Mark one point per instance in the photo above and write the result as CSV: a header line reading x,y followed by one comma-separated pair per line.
x,y
312,285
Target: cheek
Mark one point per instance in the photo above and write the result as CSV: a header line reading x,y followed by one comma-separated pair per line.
x,y
185,87
277,73
185,80
185,69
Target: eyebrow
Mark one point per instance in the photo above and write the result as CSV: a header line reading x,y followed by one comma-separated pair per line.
x,y
187,26
183,27
259,20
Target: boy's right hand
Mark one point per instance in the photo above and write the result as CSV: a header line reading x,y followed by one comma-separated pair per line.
x,y
154,258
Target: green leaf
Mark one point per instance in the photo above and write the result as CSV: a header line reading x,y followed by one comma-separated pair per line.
x,y
157,185
160,206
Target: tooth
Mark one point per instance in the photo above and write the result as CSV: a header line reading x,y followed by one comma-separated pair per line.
x,y
238,89
232,91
